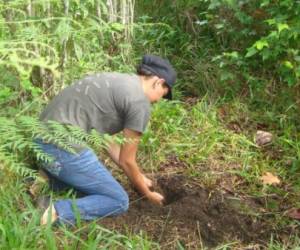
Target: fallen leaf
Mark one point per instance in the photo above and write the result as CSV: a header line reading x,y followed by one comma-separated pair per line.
x,y
270,179
294,213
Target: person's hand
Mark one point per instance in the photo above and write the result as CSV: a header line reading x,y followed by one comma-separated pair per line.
x,y
148,182
156,198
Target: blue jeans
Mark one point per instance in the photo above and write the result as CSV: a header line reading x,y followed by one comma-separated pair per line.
x,y
85,173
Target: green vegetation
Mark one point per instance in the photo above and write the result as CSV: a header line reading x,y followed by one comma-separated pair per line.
x,y
238,66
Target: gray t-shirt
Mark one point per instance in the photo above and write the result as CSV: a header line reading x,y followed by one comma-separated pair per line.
x,y
106,102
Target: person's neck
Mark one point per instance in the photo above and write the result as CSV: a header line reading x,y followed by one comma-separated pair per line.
x,y
146,85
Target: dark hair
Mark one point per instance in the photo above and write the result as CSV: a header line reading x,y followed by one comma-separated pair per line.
x,y
140,70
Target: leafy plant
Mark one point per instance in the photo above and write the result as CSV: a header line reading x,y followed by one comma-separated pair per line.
x,y
18,149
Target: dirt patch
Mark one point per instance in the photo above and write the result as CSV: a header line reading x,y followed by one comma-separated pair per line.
x,y
193,216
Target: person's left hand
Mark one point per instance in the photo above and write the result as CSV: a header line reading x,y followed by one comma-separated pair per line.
x,y
148,182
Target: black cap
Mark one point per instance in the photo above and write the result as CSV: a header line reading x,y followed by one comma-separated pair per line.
x,y
161,68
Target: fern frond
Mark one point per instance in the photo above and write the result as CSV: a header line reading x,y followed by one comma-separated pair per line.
x,y
19,146
11,163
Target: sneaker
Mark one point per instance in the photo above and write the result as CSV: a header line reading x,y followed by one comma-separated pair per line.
x,y
44,203
49,215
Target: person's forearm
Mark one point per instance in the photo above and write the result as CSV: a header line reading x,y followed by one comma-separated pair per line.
x,y
114,153
133,172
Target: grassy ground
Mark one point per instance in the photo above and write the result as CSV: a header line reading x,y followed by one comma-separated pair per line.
x,y
215,141
19,226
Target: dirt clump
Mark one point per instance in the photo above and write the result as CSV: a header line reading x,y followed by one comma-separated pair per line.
x,y
193,216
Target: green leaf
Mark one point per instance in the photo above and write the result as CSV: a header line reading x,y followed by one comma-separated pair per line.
x,y
26,84
35,91
233,54
291,80
270,21
251,51
274,34
5,93
266,54
260,44
118,26
288,64
265,3
282,26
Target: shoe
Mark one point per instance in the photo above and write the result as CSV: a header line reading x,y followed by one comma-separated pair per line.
x,y
44,203
49,216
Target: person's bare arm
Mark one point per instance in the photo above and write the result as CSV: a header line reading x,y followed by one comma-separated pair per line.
x,y
127,160
114,153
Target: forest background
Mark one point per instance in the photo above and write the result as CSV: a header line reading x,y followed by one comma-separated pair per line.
x,y
238,64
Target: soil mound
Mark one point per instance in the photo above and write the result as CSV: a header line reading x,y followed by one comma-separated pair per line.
x,y
193,217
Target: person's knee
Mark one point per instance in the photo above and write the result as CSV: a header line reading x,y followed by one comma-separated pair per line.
x,y
123,200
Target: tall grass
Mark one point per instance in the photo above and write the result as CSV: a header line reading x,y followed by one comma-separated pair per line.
x,y
20,229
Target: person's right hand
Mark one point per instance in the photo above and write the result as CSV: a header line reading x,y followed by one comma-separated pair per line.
x,y
147,181
156,198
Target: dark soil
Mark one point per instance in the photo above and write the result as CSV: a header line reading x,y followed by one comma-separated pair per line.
x,y
194,216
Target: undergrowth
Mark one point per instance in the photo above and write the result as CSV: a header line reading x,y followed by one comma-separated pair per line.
x,y
19,226
18,149
242,55
203,138
198,136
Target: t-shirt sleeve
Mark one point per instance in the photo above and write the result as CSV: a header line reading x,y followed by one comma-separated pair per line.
x,y
137,116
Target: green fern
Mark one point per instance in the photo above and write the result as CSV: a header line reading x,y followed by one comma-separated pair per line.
x,y
18,149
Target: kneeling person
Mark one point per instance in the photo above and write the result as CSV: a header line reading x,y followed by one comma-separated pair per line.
x,y
109,103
